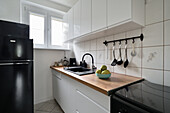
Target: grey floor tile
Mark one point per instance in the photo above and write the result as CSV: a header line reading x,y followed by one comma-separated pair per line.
x,y
52,102
47,107
41,112
57,109
38,106
50,106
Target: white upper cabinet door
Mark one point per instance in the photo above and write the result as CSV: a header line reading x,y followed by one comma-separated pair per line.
x,y
77,19
85,16
118,11
65,27
98,14
71,22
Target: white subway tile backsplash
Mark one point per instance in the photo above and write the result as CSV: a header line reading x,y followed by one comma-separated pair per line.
x,y
119,69
81,46
153,35
100,45
93,44
154,11
101,57
167,58
94,54
136,72
152,57
154,76
167,9
99,66
134,61
167,32
87,46
167,78
108,56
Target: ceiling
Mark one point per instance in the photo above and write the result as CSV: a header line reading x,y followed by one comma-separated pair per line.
x,y
68,3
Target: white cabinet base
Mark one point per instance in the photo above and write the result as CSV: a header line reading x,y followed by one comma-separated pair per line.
x,y
75,97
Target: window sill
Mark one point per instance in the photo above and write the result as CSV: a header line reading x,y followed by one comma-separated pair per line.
x,y
60,49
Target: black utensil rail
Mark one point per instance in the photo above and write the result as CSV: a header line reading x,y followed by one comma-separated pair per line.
x,y
141,37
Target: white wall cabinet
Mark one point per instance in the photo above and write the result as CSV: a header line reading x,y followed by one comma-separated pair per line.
x,y
99,14
118,11
74,97
123,11
107,17
85,17
71,24
77,19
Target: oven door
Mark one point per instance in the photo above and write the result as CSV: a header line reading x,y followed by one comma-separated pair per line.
x,y
121,106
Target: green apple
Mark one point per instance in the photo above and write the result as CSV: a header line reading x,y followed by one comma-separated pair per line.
x,y
98,71
105,72
104,67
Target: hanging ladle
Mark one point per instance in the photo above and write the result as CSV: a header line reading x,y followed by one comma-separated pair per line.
x,y
114,60
120,61
126,59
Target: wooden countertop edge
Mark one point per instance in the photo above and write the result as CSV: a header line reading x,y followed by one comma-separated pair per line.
x,y
83,82
108,93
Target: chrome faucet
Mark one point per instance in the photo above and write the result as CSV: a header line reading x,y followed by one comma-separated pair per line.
x,y
93,67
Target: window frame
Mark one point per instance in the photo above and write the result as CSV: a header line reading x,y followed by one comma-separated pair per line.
x,y
50,16
27,9
45,27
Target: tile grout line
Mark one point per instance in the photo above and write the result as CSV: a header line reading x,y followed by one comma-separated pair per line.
x,y
163,47
141,54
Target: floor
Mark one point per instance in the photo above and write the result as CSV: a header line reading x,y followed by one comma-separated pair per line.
x,y
50,106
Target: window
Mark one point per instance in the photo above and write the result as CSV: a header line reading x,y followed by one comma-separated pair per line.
x,y
37,28
56,32
46,26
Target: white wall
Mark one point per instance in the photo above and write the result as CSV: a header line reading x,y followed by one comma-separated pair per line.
x,y
10,10
43,59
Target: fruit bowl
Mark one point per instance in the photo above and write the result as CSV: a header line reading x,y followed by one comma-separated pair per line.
x,y
103,76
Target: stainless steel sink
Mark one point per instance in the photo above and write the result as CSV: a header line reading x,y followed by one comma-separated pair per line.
x,y
79,70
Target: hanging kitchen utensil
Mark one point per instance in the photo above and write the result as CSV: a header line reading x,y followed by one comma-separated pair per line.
x,y
133,53
120,61
114,60
126,59
107,51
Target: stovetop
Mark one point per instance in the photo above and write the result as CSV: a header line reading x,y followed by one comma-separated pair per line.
x,y
148,94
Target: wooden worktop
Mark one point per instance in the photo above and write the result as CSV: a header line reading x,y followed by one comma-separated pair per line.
x,y
105,86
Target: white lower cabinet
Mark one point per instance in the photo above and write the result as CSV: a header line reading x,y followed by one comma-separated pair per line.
x,y
85,104
75,97
56,86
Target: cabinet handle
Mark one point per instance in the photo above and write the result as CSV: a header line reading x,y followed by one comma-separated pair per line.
x,y
6,64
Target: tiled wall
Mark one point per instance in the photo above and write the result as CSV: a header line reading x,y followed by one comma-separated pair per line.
x,y
153,54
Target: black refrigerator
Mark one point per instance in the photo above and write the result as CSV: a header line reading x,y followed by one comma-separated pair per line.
x,y
16,68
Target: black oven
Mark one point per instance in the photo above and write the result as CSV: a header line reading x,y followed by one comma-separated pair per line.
x,y
143,97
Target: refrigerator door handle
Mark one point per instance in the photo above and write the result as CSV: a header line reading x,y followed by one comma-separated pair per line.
x,y
6,64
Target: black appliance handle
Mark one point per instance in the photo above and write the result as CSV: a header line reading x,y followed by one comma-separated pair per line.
x,y
7,64
131,106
